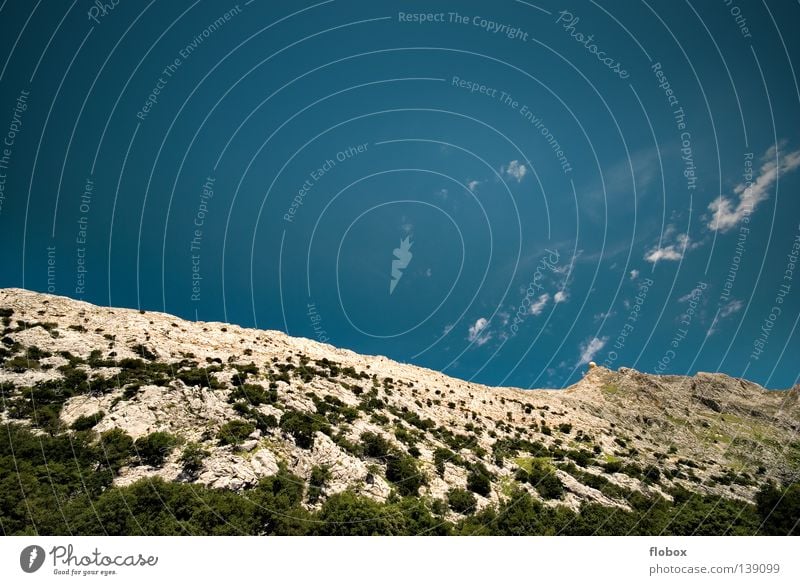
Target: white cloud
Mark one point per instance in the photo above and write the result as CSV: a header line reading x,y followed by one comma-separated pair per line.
x,y
668,253
477,334
733,306
672,246
634,274
693,295
560,297
472,185
515,169
538,306
604,315
590,348
727,212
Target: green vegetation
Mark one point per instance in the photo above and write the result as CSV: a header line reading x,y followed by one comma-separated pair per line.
x,y
401,469
253,394
316,483
441,456
202,377
302,426
192,458
56,485
115,449
235,432
542,476
461,501
154,448
334,410
479,480
403,472
21,363
84,423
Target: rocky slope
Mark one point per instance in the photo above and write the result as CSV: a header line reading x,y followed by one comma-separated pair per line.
x,y
237,403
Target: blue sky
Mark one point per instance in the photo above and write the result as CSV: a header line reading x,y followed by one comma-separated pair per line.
x,y
501,191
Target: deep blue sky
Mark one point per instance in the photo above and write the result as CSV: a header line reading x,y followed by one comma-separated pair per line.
x,y
565,211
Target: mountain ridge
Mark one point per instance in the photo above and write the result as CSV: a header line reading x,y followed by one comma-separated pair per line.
x,y
254,402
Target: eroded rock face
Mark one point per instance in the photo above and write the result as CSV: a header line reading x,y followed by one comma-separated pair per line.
x,y
307,406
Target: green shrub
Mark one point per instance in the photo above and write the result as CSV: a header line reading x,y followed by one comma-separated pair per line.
x,y
242,371
779,508
143,351
544,479
461,501
479,480
235,432
253,394
550,487
402,471
201,377
20,363
302,426
84,423
581,457
443,455
316,483
34,353
375,445
347,514
115,446
192,458
334,410
154,448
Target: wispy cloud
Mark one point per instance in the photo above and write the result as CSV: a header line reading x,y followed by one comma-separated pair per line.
x,y
473,185
477,332
560,297
672,247
515,170
604,315
670,252
537,307
733,306
590,348
634,274
728,212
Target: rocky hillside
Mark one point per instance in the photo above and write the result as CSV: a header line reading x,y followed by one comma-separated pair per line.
x,y
224,406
